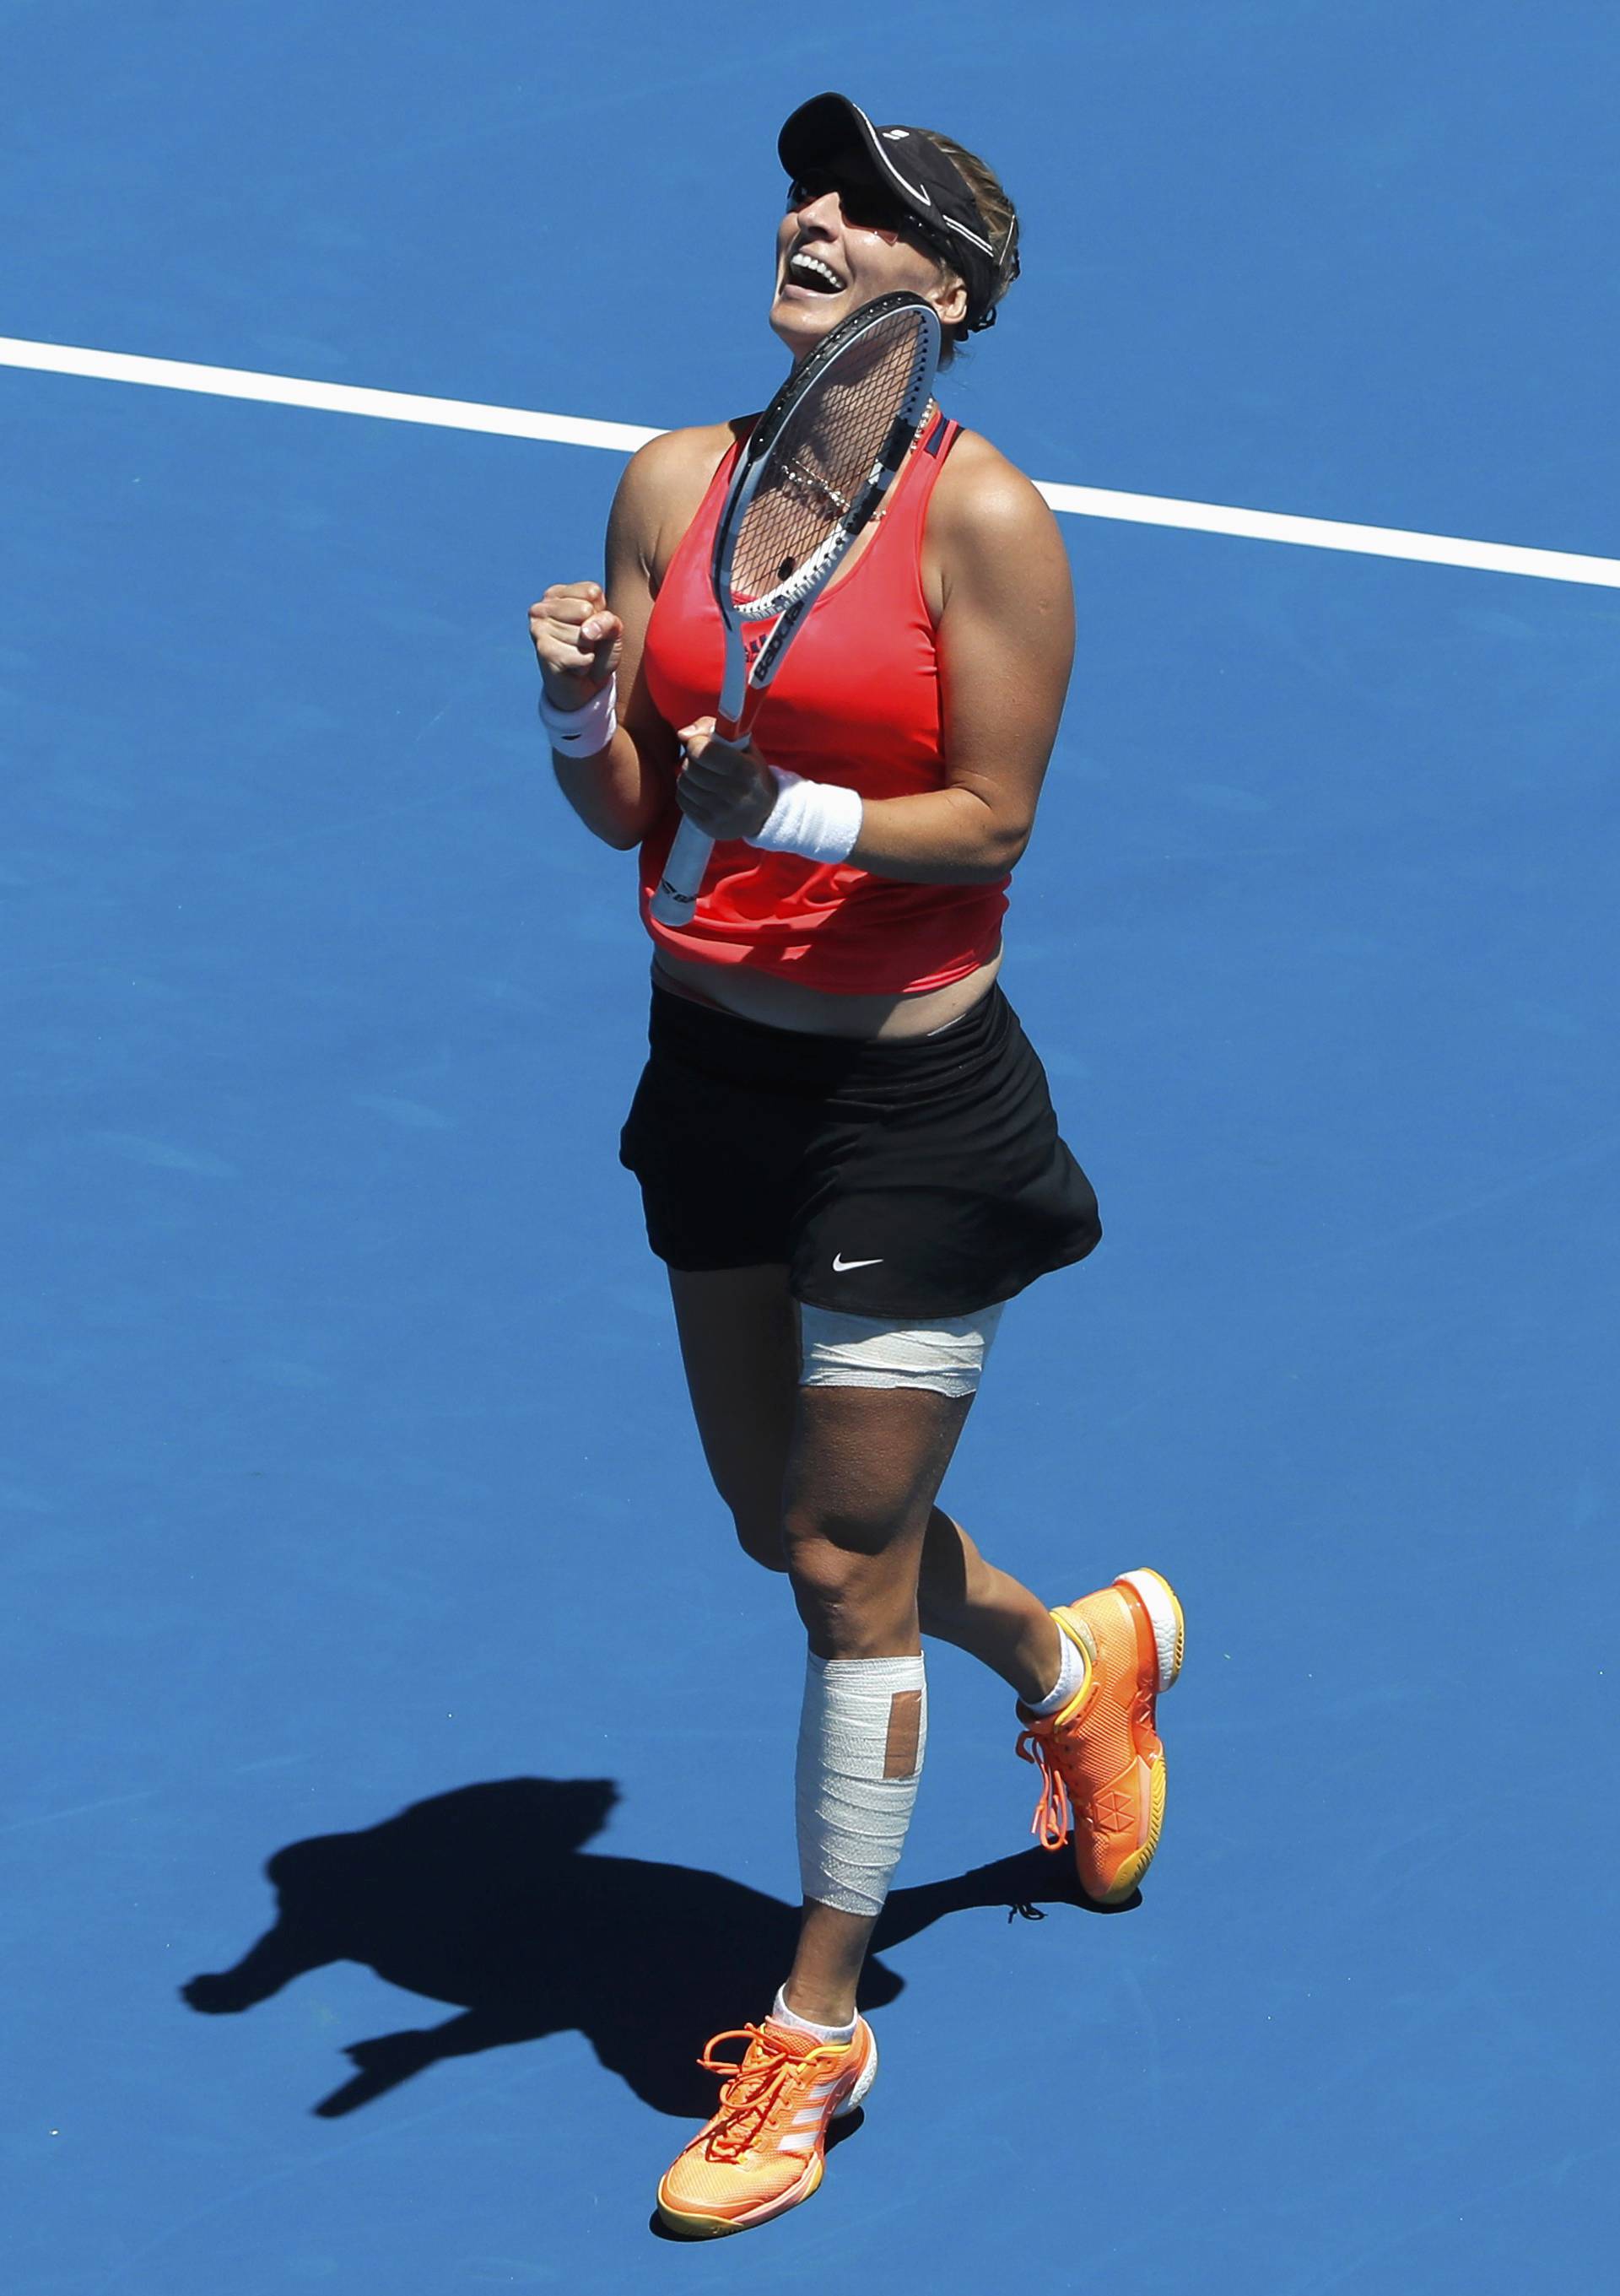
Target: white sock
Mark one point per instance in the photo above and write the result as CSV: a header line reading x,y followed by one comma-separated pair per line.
x,y
1071,1679
780,2014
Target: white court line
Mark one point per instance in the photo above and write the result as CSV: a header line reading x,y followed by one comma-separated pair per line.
x,y
623,438
1334,534
333,398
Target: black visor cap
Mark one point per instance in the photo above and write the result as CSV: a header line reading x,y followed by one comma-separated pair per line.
x,y
830,131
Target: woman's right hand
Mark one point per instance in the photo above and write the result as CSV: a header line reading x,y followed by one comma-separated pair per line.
x,y
577,641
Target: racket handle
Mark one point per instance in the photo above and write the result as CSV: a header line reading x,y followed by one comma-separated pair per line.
x,y
676,898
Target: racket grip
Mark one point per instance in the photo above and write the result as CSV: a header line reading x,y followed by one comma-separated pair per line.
x,y
676,897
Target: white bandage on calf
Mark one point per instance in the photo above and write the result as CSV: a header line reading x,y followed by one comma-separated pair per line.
x,y
582,733
819,820
861,1739
947,1353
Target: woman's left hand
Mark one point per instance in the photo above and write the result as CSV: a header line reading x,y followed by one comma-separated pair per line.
x,y
725,791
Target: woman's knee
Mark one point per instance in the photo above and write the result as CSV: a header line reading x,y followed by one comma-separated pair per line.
x,y
952,1576
760,1537
826,1545
855,1583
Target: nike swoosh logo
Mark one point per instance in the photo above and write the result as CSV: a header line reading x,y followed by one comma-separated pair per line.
x,y
841,1266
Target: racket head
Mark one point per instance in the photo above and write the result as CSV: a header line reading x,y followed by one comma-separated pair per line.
x,y
814,469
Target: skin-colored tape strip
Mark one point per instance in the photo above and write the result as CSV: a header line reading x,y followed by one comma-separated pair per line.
x,y
904,1734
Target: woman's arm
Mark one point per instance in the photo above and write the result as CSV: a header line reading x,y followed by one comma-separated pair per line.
x,y
1006,643
583,636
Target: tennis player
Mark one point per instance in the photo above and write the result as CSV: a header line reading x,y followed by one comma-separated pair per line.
x,y
845,1145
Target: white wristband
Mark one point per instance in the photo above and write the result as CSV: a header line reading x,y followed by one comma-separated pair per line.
x,y
820,820
581,732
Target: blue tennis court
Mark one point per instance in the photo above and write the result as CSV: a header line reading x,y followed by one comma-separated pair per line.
x,y
357,1528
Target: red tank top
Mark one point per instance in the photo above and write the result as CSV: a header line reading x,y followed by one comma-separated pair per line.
x,y
856,701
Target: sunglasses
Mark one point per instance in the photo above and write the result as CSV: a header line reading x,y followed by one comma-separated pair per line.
x,y
867,206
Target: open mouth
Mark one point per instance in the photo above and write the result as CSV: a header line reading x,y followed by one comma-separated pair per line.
x,y
809,272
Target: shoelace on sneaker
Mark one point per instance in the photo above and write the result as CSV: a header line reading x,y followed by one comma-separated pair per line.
x,y
754,2091
1050,1822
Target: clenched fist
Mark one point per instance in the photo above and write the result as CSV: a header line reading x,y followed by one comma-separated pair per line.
x,y
577,641
727,791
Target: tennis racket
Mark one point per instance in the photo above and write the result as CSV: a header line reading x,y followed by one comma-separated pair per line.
x,y
808,481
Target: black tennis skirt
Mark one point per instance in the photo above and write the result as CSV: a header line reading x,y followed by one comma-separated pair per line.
x,y
912,1178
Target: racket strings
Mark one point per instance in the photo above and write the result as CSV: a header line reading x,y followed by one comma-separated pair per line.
x,y
814,471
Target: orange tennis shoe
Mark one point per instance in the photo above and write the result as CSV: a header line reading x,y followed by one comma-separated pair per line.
x,y
764,2150
1100,1754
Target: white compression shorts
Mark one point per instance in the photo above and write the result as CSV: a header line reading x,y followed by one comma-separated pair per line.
x,y
946,1353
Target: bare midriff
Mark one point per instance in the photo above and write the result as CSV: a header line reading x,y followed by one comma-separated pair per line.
x,y
818,1012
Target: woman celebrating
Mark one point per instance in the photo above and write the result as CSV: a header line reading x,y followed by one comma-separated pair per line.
x,y
846,1151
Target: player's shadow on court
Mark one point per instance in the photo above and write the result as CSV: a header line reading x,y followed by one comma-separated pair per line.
x,y
482,1898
